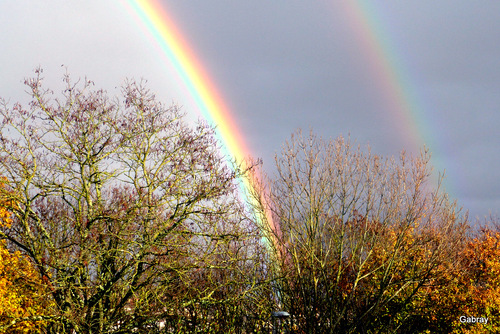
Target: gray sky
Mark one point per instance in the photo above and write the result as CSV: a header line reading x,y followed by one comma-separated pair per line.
x,y
281,65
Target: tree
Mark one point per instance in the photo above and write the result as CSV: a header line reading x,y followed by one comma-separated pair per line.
x,y
357,237
472,291
22,296
120,207
477,293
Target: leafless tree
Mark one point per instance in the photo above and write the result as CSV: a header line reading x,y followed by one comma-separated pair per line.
x,y
357,236
122,207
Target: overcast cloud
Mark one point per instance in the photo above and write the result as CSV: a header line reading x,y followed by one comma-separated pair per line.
x,y
281,65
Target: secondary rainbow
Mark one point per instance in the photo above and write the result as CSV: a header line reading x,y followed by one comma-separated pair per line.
x,y
153,16
392,78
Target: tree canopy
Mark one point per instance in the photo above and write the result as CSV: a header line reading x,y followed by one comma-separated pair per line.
x,y
122,207
118,216
359,236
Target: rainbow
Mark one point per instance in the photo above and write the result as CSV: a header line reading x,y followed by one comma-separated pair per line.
x,y
392,82
152,16
395,84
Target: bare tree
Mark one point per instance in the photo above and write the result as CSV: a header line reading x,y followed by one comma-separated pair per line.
x,y
357,236
120,206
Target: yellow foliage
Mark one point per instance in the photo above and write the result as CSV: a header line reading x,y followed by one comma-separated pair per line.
x,y
21,289
21,293
5,220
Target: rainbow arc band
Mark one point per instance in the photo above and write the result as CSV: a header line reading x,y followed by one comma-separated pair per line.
x,y
153,16
393,82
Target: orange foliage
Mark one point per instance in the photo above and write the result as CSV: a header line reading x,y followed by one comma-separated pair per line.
x,y
469,288
479,293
